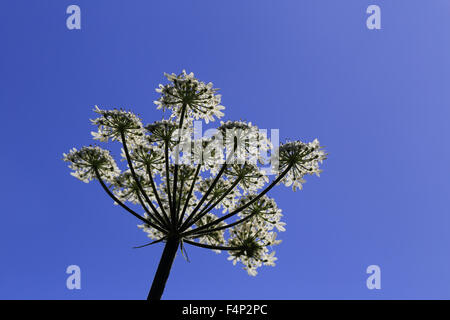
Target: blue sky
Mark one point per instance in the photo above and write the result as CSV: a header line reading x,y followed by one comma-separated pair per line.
x,y
377,99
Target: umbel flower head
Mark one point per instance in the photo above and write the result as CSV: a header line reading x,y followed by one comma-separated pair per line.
x,y
200,99
301,159
87,162
211,194
112,124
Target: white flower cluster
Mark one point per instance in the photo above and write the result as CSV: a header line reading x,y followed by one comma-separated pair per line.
x,y
112,123
256,235
126,188
230,199
161,132
301,158
184,89
243,141
145,156
215,238
251,177
84,162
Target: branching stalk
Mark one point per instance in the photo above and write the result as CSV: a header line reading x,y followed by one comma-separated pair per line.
x,y
99,178
188,198
236,211
158,199
208,246
185,225
133,173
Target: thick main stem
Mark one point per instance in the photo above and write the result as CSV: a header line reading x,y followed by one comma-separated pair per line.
x,y
162,273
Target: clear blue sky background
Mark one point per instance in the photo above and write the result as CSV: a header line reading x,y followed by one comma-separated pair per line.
x,y
378,100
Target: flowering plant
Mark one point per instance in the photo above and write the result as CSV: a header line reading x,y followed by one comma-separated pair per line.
x,y
209,192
